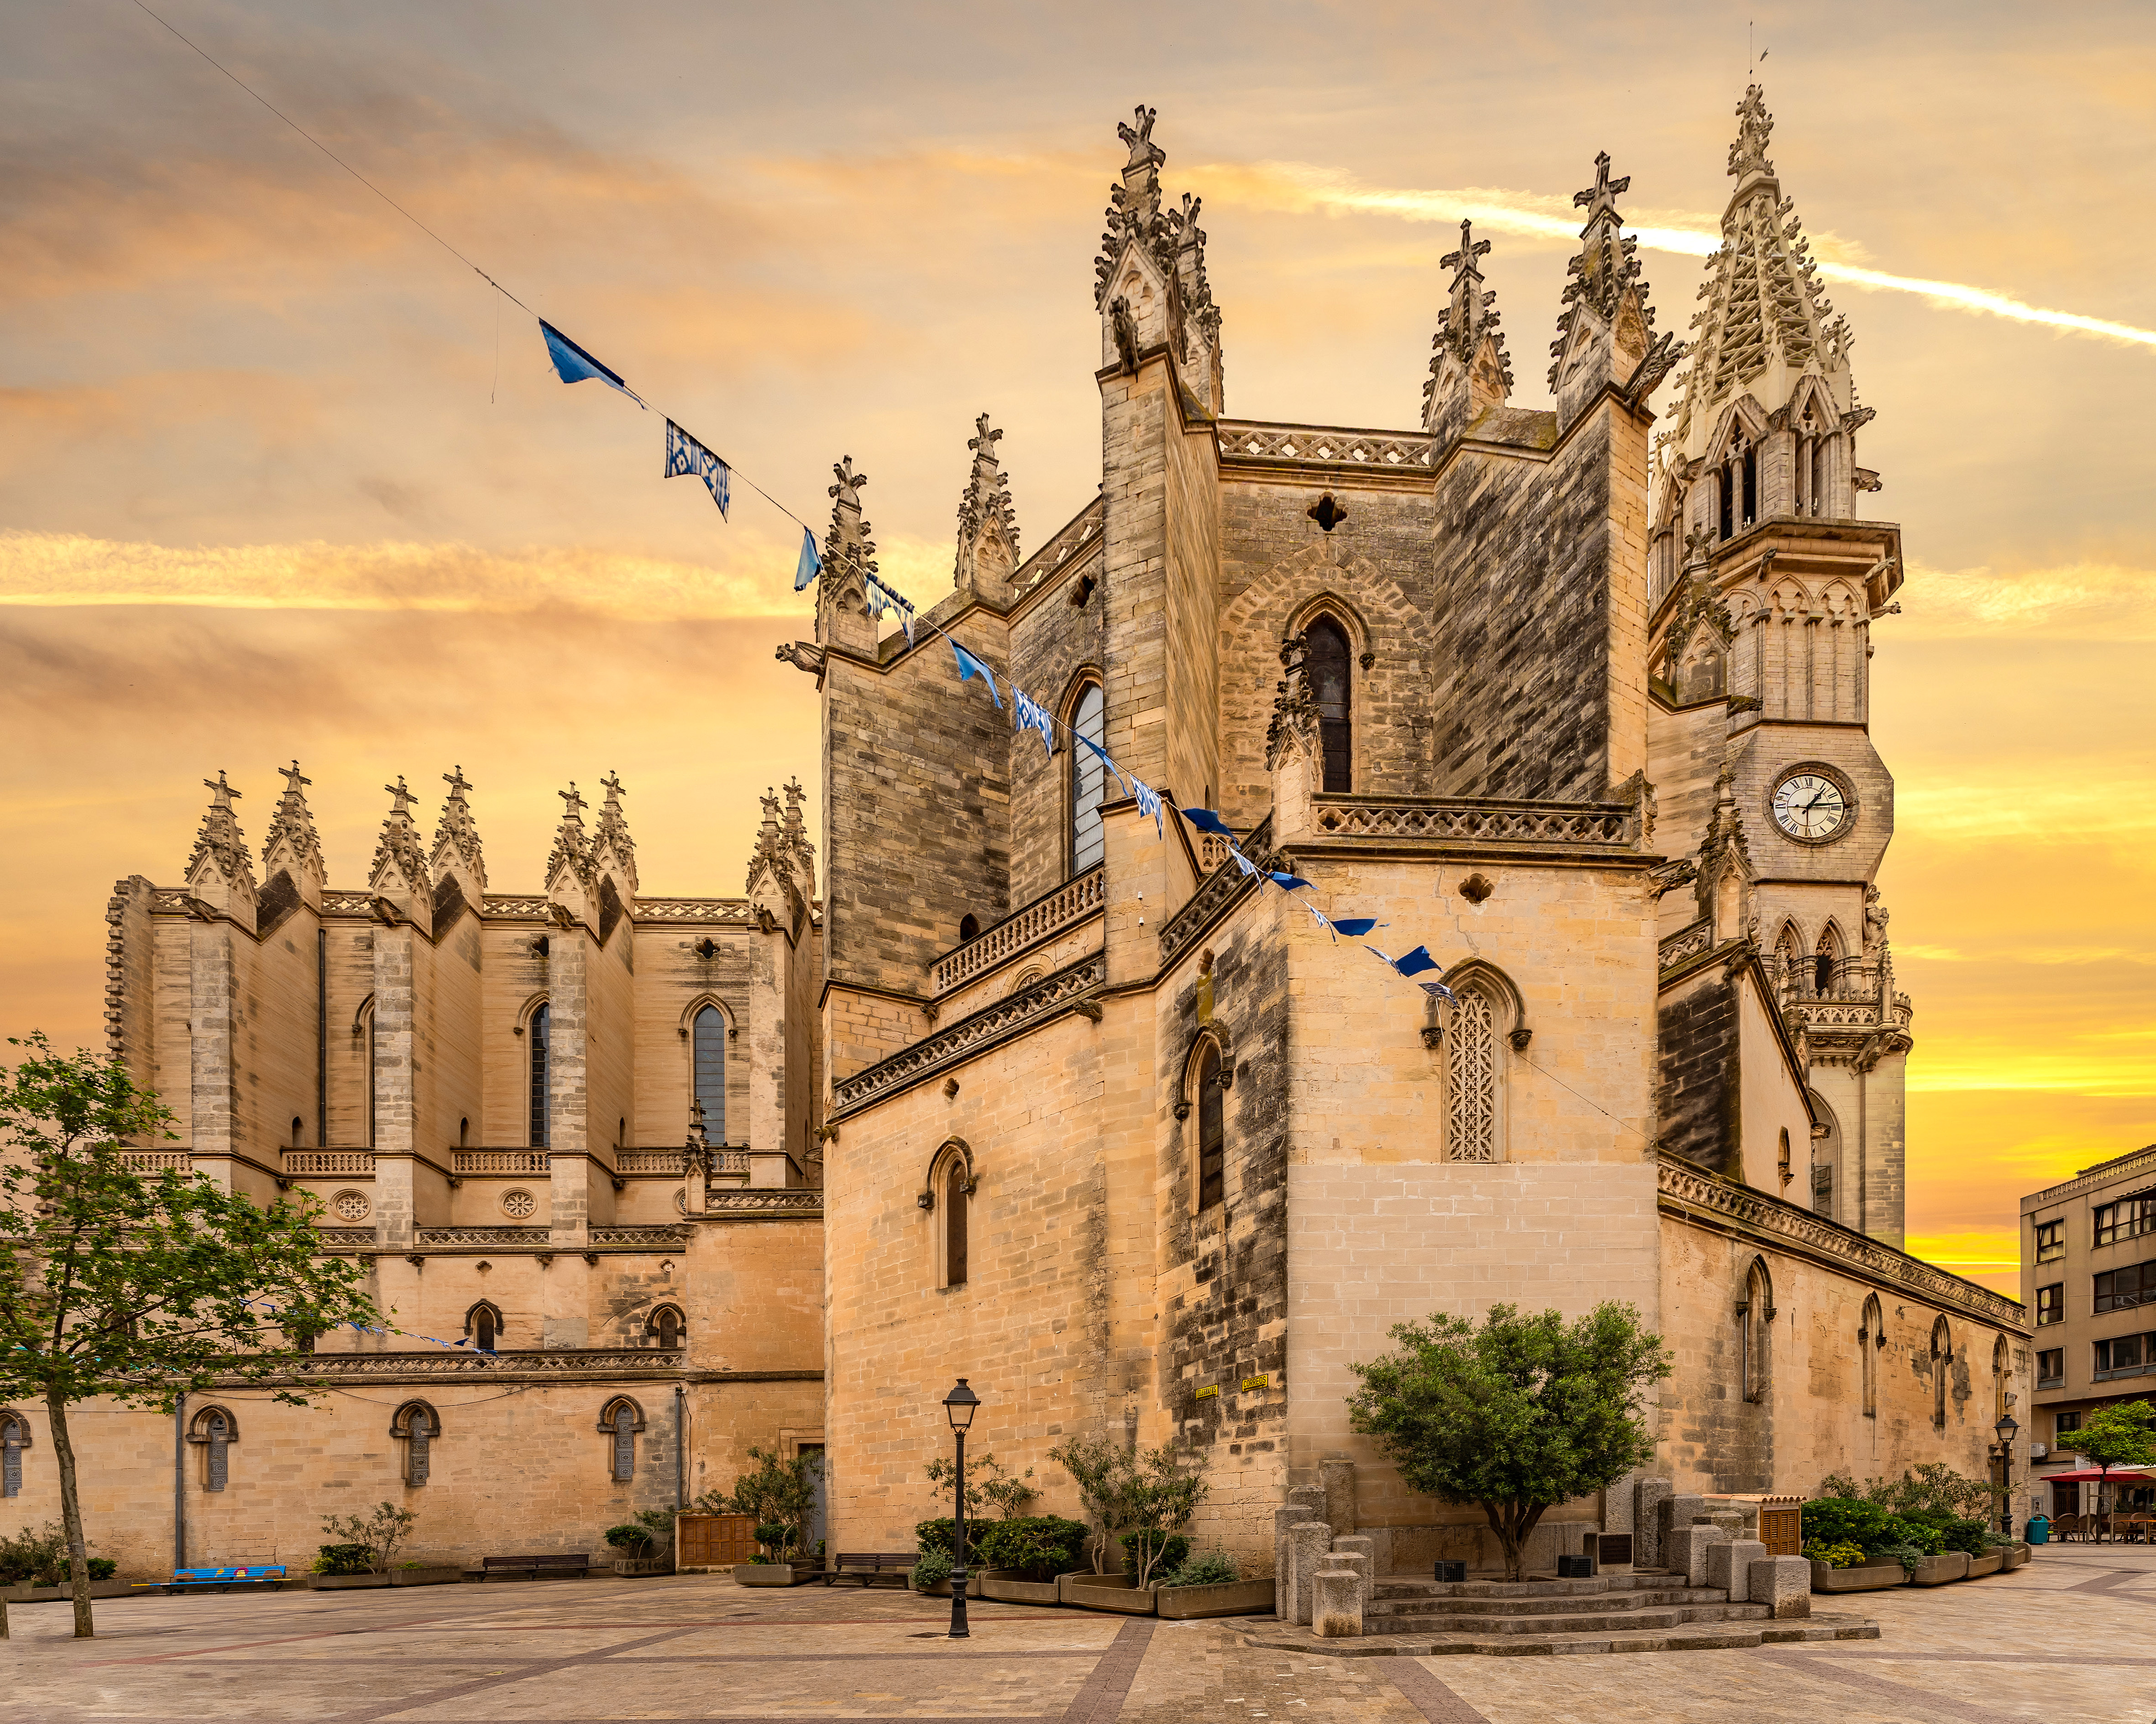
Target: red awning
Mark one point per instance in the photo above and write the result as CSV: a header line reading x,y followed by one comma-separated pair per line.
x,y
2089,1475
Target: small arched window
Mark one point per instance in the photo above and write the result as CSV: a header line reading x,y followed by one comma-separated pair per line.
x,y
709,1032
1089,780
1942,1370
1330,684
14,1438
417,1425
1826,963
216,1430
483,1324
1870,1336
1755,1316
2002,1398
969,927
1211,1105
621,1420
666,1328
296,1129
541,1121
1474,1110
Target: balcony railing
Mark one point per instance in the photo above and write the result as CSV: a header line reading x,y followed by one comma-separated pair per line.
x,y
304,1163
498,1160
726,1158
156,1161
1045,917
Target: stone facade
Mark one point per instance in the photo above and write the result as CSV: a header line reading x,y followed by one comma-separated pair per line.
x,y
1044,1096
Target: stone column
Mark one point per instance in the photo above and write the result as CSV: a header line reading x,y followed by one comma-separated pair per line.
x,y
1337,1481
1313,1542
1729,1566
1647,1522
1285,1521
1337,1611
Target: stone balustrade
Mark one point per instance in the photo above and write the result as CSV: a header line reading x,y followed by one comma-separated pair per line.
x,y
1038,922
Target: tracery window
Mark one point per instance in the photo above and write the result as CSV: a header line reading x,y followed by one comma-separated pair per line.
x,y
14,1438
709,1034
1473,1079
955,1267
621,1420
1331,685
417,1425
1089,780
666,1327
216,1431
483,1323
1756,1317
541,1113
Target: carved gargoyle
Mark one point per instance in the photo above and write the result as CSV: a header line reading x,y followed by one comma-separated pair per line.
x,y
802,655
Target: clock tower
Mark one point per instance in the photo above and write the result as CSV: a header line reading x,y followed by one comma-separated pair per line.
x,y
1767,575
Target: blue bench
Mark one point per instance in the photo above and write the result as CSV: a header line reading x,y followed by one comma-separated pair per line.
x,y
201,1580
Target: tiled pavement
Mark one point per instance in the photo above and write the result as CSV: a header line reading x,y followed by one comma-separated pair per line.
x,y
2067,1638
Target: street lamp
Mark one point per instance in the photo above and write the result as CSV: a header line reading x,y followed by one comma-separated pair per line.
x,y
2006,1430
961,1404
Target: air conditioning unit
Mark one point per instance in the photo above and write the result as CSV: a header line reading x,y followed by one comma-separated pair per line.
x,y
2037,1451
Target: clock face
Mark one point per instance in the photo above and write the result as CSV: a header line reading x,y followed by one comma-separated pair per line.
x,y
1811,807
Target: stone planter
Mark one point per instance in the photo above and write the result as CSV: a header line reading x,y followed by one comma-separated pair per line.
x,y
1988,1564
776,1573
941,1588
22,1592
424,1577
1112,1591
346,1583
1938,1571
1857,1580
1235,1598
636,1567
2017,1553
1010,1585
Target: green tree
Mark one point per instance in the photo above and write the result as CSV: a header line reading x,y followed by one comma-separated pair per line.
x,y
1104,1473
779,1493
2116,1436
1516,1414
380,1532
134,1287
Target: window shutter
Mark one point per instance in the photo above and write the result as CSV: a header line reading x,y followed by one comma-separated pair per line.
x,y
711,1063
219,1466
417,1459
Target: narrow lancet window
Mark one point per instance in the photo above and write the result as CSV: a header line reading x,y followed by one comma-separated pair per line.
x,y
1331,685
541,1123
710,1060
1088,780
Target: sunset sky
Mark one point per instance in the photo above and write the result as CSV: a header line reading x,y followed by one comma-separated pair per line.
x,y
280,476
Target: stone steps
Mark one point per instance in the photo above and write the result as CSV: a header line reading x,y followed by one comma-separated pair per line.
x,y
1683,1637
1387,1604
1569,1621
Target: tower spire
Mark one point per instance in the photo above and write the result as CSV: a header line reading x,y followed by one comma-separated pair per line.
x,y
988,525
842,616
1149,281
1604,331
218,871
398,871
292,844
1470,372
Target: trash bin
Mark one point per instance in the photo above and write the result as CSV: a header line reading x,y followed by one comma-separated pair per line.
x,y
2039,1529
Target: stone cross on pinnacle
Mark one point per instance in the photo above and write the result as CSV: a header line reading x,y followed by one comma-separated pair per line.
x,y
455,779
1462,262
402,805
1144,153
292,777
225,793
613,789
575,804
1602,194
983,441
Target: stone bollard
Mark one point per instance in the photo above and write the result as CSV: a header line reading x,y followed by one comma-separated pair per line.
x,y
1783,1584
1673,1514
1729,1566
1338,1611
1686,1553
1647,1501
1313,1542
1285,1521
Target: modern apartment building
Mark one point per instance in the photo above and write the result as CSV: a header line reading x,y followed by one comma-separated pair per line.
x,y
2088,1274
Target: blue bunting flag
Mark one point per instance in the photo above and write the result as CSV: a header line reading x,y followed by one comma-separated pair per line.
x,y
970,667
1148,800
1205,820
574,365
688,458
1031,716
1121,776
811,565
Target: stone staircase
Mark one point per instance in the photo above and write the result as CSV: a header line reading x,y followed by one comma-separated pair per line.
x,y
1642,1611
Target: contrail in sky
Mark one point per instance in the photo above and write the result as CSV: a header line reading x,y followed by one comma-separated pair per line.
x,y
1296,185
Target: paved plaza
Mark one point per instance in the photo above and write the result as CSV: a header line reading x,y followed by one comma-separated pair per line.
x,y
2066,1638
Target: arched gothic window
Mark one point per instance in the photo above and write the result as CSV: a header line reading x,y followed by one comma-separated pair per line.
x,y
1756,1314
417,1425
14,1438
1331,685
1870,1336
483,1323
2002,1399
541,1120
1942,1369
621,1420
1211,1105
1789,955
710,1058
1089,780
955,1266
1826,962
1474,1078
666,1327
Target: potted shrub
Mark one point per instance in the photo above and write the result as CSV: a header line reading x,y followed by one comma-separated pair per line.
x,y
365,1548
1025,1557
782,1494
932,1572
1211,1585
636,1544
1856,1546
339,1566
1140,1501
33,1566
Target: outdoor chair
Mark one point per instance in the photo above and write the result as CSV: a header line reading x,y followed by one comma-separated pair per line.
x,y
2066,1527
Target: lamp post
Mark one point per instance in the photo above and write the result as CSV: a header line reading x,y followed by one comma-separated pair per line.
x,y
2006,1430
960,1404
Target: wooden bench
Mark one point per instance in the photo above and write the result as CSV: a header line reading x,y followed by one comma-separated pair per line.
x,y
867,1567
571,1567
269,1574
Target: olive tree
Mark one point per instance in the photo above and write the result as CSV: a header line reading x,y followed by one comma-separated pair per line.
x,y
1515,1414
134,1286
